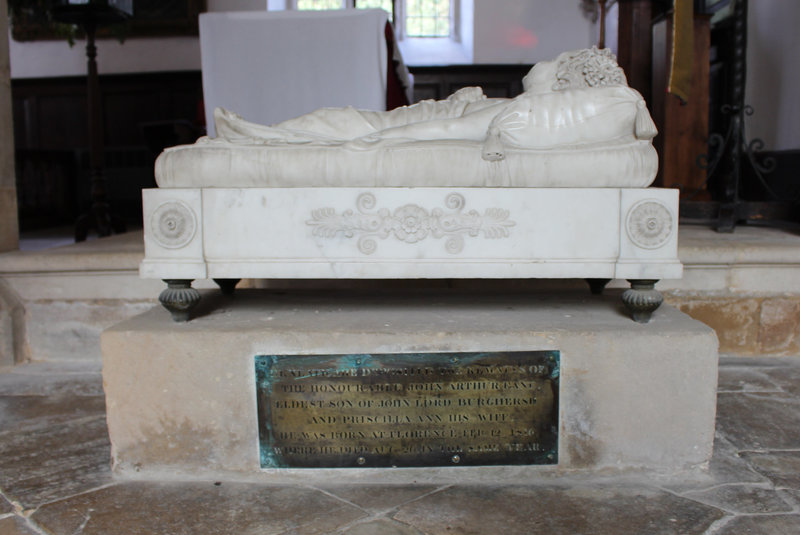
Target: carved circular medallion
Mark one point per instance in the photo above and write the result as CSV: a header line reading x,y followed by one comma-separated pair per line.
x,y
649,224
173,224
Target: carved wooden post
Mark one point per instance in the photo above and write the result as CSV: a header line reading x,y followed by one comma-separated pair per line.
x,y
601,41
635,44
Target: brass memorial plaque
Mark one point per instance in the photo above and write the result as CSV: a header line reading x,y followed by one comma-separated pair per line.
x,y
410,409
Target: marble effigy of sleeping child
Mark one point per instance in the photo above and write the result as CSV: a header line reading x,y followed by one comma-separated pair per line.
x,y
577,124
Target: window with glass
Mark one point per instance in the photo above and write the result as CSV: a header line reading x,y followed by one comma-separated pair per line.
x,y
314,5
386,5
412,18
427,18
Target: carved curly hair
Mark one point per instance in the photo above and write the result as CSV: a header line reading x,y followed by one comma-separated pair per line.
x,y
588,68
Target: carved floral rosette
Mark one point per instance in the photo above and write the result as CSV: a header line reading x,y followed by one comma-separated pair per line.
x,y
410,223
649,224
173,224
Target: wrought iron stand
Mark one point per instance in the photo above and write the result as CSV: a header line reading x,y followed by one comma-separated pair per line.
x,y
90,16
729,152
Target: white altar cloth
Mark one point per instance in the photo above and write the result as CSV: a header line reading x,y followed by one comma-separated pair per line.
x,y
334,58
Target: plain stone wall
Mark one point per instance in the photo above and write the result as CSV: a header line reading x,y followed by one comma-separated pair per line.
x,y
747,325
9,230
745,285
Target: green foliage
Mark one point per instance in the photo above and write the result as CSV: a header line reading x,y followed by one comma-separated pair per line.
x,y
33,19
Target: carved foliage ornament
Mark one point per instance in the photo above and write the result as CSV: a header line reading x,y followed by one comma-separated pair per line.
x,y
592,67
649,224
410,223
173,224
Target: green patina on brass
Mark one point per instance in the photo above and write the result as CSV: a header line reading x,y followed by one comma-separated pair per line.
x,y
408,409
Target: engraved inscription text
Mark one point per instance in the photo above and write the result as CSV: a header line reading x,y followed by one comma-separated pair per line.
x,y
430,409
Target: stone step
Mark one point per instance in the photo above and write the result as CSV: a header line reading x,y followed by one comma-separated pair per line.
x,y
55,302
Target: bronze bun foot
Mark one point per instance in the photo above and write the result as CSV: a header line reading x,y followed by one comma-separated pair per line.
x,y
179,298
642,299
227,285
596,286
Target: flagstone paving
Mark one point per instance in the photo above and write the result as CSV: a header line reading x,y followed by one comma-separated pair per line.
x,y
55,478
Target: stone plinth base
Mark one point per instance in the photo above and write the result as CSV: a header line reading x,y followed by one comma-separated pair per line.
x,y
181,398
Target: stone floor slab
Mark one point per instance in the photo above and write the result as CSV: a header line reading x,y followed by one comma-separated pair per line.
x,y
736,361
787,378
376,498
14,525
759,421
726,466
55,461
47,379
791,496
745,499
22,413
382,526
5,506
762,525
735,379
782,468
197,508
575,509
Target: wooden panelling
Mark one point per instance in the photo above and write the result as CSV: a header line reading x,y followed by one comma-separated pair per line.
x,y
438,82
142,113
682,126
50,113
635,44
